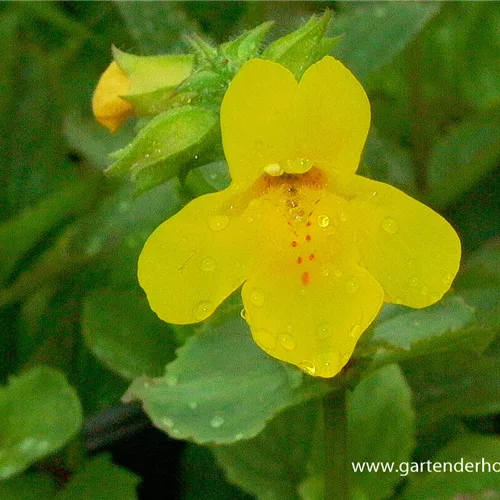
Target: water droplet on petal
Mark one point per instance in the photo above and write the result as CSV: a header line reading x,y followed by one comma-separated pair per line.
x,y
217,422
257,297
374,193
243,314
434,297
273,169
323,331
390,225
208,264
218,222
308,367
345,359
325,271
398,300
337,272
167,422
265,339
287,341
424,290
352,285
203,310
255,203
343,217
328,363
355,331
323,220
447,278
413,281
411,263
193,405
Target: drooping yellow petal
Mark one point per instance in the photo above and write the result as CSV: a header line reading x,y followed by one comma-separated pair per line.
x,y
195,259
255,119
412,251
108,107
306,300
332,115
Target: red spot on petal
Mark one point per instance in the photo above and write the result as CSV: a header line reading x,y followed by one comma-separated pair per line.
x,y
308,223
299,260
308,237
306,279
294,243
312,256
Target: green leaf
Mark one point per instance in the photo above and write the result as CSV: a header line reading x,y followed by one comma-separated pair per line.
x,y
27,487
381,428
273,464
156,27
418,332
21,232
372,33
298,50
208,178
220,389
246,45
482,268
460,480
40,412
167,142
461,158
123,332
100,479
460,383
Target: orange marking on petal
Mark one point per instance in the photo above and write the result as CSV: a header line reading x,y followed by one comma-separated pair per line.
x,y
299,260
294,243
308,237
308,223
306,278
312,256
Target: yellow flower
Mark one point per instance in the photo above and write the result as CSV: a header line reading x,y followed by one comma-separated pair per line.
x,y
108,107
317,248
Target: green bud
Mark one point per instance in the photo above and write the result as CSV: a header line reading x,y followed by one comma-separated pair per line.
x,y
165,144
246,45
152,78
298,50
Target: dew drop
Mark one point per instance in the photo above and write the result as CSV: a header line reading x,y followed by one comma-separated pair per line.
x,y
193,405
343,217
390,225
257,297
424,290
434,297
323,331
323,220
355,331
308,367
255,203
447,278
287,341
167,422
328,363
203,310
217,422
208,264
398,300
325,271
288,328
218,222
243,314
374,193
265,339
337,272
345,359
352,285
413,281
273,169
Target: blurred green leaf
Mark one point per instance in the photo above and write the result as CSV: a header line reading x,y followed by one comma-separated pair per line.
x,y
459,159
156,27
221,388
454,484
374,32
482,268
40,412
298,50
123,332
208,178
458,383
273,464
27,487
21,232
426,330
167,142
100,479
381,428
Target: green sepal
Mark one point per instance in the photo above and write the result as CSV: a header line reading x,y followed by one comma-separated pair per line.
x,y
206,55
246,45
305,46
152,78
166,143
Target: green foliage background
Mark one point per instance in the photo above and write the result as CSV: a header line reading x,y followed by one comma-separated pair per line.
x,y
77,333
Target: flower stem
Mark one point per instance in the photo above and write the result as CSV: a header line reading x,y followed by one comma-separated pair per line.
x,y
337,459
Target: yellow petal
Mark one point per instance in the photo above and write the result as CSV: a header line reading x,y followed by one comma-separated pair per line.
x,y
306,300
195,259
108,108
255,119
332,114
411,250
